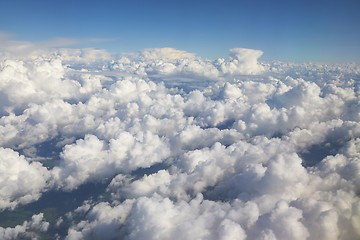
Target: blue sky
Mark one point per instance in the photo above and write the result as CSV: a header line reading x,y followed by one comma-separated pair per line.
x,y
318,30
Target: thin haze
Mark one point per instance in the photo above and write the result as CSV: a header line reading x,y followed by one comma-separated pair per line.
x,y
325,31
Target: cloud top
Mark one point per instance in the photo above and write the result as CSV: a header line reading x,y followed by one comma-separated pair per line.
x,y
179,146
165,54
242,61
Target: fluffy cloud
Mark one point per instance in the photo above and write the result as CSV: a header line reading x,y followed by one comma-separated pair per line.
x,y
26,230
26,82
165,54
186,147
242,61
21,182
93,159
84,55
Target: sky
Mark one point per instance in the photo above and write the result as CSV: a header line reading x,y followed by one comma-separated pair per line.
x,y
325,31
167,143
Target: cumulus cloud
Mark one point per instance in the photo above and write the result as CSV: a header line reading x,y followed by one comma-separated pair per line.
x,y
182,147
165,54
242,61
93,159
21,182
83,55
26,82
29,229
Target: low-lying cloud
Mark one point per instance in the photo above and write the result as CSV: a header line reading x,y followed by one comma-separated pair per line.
x,y
183,147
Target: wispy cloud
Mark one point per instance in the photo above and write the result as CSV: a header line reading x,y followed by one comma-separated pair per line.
x,y
9,44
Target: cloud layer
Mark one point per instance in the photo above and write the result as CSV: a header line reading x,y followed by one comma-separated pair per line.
x,y
186,147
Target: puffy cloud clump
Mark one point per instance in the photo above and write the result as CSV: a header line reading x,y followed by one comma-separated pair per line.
x,y
25,82
93,159
169,64
182,147
84,55
165,54
155,218
29,229
21,182
242,61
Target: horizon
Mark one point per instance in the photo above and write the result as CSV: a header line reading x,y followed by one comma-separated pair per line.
x,y
322,31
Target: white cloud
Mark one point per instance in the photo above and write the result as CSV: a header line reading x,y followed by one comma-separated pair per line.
x,y
83,55
165,54
192,148
26,49
242,61
21,182
92,159
26,230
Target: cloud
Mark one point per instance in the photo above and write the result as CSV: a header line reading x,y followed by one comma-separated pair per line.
x,y
32,77
66,47
93,159
242,61
26,230
83,55
10,47
165,54
14,47
16,173
182,147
